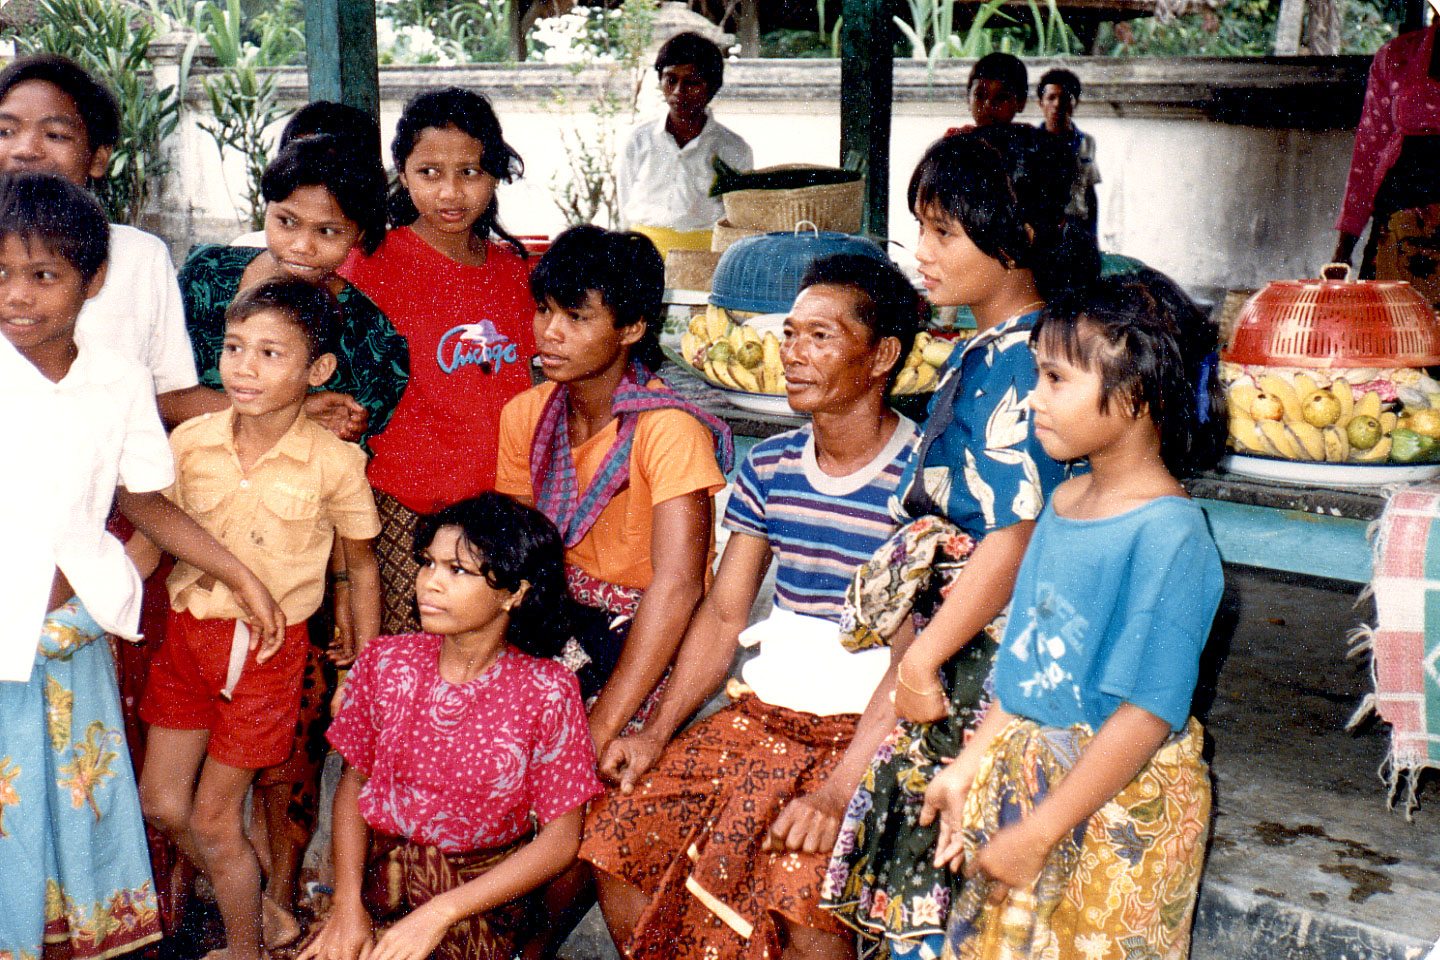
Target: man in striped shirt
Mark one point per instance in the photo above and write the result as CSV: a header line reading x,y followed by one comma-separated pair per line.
x,y
715,842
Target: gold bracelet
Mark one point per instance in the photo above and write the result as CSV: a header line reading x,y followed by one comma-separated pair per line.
x,y
900,678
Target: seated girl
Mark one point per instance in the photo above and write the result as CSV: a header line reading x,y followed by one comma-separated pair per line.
x,y
468,764
623,465
1080,808
323,198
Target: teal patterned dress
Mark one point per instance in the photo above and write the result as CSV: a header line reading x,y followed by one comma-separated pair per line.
x,y
979,468
72,841
374,359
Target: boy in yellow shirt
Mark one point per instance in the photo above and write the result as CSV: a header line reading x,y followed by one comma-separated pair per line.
x,y
275,488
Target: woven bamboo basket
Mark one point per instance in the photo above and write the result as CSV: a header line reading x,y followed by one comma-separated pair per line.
x,y
836,207
690,269
727,233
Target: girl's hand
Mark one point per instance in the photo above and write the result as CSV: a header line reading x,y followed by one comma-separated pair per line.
x,y
1013,858
919,695
346,935
810,824
945,798
339,413
416,936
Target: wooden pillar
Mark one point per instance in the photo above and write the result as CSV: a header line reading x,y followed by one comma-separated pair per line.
x,y
340,53
866,84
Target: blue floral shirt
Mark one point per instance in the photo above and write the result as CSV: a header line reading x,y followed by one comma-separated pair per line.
x,y
979,463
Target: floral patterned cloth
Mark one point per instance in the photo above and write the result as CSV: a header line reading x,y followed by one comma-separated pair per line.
x,y
1122,885
373,359
690,834
72,841
880,880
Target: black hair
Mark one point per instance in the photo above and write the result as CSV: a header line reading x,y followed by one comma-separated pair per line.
x,y
1003,67
311,307
512,542
886,302
337,119
356,181
1062,78
470,113
625,270
67,220
692,48
1007,186
1155,351
93,100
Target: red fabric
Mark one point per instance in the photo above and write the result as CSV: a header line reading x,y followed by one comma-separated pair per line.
x,y
256,728
463,766
1400,99
440,444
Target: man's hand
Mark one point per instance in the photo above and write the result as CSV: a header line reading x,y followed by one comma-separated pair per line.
x,y
337,412
627,759
808,824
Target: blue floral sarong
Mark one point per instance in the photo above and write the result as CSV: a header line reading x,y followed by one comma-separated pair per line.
x,y
72,841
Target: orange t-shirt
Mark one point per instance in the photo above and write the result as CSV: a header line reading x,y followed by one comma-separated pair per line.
x,y
673,454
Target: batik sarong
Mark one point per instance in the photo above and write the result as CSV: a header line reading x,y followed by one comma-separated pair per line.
x,y
395,555
1121,884
72,841
880,880
690,835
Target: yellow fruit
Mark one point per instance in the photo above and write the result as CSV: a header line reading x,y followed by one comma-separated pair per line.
x,y
720,373
698,327
924,377
1246,438
771,346
1337,445
1340,387
750,334
1281,389
743,378
1304,386
905,382
1282,440
1380,451
1388,421
772,380
1312,441
1241,396
736,336
1320,408
1368,405
1426,422
936,352
716,320
688,344
1265,406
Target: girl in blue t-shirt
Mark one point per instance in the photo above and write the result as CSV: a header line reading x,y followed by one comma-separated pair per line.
x,y
1080,808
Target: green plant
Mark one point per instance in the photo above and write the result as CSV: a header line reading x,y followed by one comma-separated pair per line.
x,y
584,189
112,41
242,97
933,36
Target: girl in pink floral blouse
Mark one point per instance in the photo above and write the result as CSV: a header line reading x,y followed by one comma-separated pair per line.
x,y
468,758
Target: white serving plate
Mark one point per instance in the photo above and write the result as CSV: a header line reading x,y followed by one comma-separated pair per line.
x,y
1329,474
757,402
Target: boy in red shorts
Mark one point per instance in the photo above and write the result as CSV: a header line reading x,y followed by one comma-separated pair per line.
x,y
275,488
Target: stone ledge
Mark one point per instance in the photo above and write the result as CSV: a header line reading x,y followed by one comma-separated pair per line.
x,y
1290,92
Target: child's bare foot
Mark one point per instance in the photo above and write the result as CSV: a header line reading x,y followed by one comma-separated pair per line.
x,y
278,927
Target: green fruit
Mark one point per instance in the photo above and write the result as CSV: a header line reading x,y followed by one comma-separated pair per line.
x,y
1407,446
1363,432
719,352
751,354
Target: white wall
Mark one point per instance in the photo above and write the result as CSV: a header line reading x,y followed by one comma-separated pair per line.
x,y
1218,205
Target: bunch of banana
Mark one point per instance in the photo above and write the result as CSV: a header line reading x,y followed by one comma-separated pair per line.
x,y
733,354
1295,418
